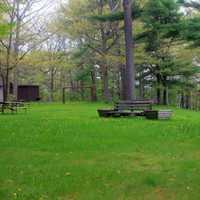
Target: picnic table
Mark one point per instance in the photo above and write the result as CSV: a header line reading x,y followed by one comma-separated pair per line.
x,y
12,106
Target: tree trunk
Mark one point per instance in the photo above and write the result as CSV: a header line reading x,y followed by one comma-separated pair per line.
x,y
6,86
188,100
130,74
118,85
121,79
123,83
141,89
158,96
82,90
165,96
8,57
94,87
165,92
104,68
105,81
16,50
52,84
113,84
158,90
182,103
4,89
72,86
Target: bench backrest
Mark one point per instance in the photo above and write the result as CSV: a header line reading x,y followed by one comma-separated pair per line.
x,y
139,105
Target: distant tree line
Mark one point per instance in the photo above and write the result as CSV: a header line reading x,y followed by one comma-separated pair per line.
x,y
120,49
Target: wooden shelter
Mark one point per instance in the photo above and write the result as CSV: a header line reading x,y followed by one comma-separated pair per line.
x,y
24,92
1,93
28,93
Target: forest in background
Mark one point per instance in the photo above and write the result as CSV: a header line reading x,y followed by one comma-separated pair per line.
x,y
81,48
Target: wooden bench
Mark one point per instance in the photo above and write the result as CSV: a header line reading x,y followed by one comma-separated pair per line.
x,y
128,108
136,106
161,114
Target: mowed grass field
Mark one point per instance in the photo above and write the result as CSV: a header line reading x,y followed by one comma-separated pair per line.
x,y
66,152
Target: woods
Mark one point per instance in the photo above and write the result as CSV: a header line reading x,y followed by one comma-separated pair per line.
x,y
121,49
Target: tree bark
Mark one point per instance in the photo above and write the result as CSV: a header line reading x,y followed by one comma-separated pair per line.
x,y
104,68
141,88
8,56
123,82
105,81
188,100
182,103
6,86
16,50
165,96
94,87
82,90
118,84
52,76
158,90
165,92
129,70
4,89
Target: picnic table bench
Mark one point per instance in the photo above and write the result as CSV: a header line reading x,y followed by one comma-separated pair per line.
x,y
13,106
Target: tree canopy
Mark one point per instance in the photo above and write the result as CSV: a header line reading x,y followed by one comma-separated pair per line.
x,y
148,48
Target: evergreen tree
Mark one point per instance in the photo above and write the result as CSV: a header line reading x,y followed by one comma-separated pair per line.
x,y
161,24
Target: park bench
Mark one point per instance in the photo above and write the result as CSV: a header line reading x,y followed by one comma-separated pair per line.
x,y
135,107
128,108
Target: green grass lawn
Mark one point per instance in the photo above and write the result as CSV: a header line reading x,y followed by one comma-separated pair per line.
x,y
66,152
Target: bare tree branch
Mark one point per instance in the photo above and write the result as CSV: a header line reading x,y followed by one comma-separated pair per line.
x,y
3,44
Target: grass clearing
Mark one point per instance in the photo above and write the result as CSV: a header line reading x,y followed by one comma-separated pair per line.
x,y
66,152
